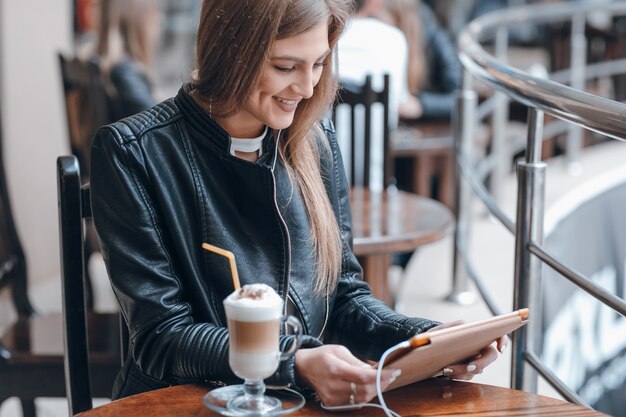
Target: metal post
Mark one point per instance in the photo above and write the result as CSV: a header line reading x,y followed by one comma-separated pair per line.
x,y
464,120
578,54
499,119
535,135
529,226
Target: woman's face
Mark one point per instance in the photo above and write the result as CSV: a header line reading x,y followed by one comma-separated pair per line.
x,y
294,67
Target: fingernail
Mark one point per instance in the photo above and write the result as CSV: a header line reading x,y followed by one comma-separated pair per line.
x,y
471,367
503,348
447,371
394,375
366,365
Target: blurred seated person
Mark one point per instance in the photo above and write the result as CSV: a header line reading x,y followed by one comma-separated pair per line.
x,y
370,46
434,70
127,35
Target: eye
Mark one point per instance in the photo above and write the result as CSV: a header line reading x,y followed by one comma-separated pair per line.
x,y
320,64
285,69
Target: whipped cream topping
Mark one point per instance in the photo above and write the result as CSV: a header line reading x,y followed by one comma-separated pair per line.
x,y
254,302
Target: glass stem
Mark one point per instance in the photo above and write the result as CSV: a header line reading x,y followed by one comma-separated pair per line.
x,y
254,389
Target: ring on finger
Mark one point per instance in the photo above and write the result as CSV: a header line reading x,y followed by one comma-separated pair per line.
x,y
352,393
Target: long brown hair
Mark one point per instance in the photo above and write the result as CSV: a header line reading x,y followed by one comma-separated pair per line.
x,y
234,39
124,31
405,16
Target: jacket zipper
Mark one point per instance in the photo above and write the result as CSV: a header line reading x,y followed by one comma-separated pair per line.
x,y
286,229
319,336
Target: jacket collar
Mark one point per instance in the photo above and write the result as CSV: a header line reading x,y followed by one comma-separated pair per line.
x,y
200,120
209,128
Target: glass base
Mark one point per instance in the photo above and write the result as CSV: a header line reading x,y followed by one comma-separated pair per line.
x,y
226,400
262,405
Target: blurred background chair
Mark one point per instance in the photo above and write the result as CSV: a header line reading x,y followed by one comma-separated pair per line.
x,y
84,330
31,348
89,104
385,220
366,134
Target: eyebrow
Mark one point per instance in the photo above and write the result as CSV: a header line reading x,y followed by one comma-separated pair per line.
x,y
299,60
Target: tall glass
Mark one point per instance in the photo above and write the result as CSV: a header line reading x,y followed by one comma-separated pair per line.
x,y
255,315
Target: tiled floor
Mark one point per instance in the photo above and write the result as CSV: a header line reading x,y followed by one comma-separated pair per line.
x,y
427,279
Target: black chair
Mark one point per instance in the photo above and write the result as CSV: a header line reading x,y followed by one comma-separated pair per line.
x,y
85,368
365,97
89,103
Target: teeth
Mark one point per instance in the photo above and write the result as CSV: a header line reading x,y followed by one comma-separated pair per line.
x,y
288,102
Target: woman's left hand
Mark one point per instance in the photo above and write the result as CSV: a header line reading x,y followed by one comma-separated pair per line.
x,y
475,365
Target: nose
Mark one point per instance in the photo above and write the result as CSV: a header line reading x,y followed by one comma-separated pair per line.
x,y
305,83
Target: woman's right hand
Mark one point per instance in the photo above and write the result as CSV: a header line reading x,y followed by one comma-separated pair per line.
x,y
337,376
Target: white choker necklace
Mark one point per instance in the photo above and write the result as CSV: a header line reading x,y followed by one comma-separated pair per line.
x,y
247,144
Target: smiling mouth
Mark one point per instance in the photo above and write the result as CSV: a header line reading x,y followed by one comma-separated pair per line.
x,y
286,101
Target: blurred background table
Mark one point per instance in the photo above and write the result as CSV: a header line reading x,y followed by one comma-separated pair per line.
x,y
423,153
434,397
390,222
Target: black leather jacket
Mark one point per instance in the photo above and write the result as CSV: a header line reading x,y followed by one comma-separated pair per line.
x,y
163,182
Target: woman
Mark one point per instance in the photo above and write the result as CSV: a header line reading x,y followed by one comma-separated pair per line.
x,y
434,71
238,159
128,31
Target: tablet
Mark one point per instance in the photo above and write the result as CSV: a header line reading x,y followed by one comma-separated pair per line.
x,y
431,351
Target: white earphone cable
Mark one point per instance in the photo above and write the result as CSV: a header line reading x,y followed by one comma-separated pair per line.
x,y
276,149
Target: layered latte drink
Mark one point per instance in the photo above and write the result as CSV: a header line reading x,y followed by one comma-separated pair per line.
x,y
254,314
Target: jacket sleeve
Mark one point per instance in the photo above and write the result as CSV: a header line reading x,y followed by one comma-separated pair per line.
x,y
364,324
444,68
168,344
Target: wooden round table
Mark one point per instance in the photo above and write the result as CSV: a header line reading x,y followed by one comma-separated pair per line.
x,y
384,223
434,397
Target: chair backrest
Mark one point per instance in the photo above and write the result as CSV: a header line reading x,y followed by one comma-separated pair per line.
x,y
74,209
88,103
360,101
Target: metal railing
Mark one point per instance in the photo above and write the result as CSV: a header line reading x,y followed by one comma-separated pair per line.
x,y
540,95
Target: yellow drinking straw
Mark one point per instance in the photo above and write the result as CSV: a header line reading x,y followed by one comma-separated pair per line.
x,y
231,259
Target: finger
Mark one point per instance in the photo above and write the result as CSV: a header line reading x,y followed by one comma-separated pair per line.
x,y
365,375
487,356
386,381
367,391
458,371
502,343
473,367
343,353
336,393
446,325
